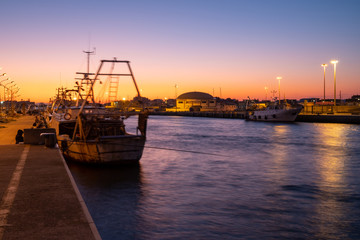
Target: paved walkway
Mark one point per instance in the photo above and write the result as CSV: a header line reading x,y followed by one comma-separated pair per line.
x,y
8,130
38,196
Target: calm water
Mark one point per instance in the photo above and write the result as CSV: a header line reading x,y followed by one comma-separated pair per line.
x,y
231,179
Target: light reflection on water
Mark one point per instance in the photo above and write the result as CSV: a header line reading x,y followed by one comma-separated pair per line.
x,y
268,180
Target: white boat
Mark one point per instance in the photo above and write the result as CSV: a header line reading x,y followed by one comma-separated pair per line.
x,y
90,133
275,113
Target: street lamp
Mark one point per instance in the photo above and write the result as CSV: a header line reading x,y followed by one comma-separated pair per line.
x,y
10,89
266,90
16,90
4,85
324,66
4,80
279,78
12,96
176,87
8,83
12,85
334,62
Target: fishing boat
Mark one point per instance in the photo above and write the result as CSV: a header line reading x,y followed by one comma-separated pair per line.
x,y
275,112
90,133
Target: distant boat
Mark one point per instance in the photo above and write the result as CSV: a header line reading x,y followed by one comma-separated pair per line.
x,y
90,133
275,112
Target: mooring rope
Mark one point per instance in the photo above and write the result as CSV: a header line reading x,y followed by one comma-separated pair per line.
x,y
188,151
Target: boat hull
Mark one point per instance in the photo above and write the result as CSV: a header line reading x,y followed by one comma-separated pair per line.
x,y
109,150
275,115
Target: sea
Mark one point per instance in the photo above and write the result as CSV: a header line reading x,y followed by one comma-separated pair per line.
x,y
212,178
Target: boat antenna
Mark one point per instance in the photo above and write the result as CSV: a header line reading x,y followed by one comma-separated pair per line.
x,y
88,58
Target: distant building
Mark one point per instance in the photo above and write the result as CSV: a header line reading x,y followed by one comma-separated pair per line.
x,y
194,102
314,100
227,105
354,99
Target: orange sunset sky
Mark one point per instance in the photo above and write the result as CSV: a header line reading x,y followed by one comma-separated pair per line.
x,y
203,45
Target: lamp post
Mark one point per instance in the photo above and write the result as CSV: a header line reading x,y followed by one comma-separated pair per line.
x,y
334,62
279,78
273,94
324,66
16,90
12,91
4,85
266,90
176,87
4,92
4,80
6,88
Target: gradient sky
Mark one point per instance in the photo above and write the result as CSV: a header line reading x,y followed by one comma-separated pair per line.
x,y
237,46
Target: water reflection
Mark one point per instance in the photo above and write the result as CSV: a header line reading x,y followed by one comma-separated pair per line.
x,y
112,196
279,151
280,181
330,211
331,163
107,177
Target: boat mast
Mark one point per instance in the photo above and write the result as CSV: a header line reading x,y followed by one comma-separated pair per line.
x,y
85,80
88,59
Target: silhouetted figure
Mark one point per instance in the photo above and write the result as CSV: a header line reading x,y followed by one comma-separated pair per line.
x,y
19,136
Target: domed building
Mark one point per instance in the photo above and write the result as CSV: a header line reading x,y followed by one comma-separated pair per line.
x,y
195,102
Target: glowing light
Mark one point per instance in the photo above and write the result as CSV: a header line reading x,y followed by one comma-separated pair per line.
x,y
334,62
324,65
279,78
266,90
124,99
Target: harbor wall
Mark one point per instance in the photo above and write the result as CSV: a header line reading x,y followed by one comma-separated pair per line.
x,y
322,118
329,118
237,115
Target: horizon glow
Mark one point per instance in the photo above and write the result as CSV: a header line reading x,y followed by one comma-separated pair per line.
x,y
230,47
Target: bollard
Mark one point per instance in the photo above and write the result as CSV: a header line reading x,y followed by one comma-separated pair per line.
x,y
50,139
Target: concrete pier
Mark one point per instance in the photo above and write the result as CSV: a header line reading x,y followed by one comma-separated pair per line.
x,y
39,198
